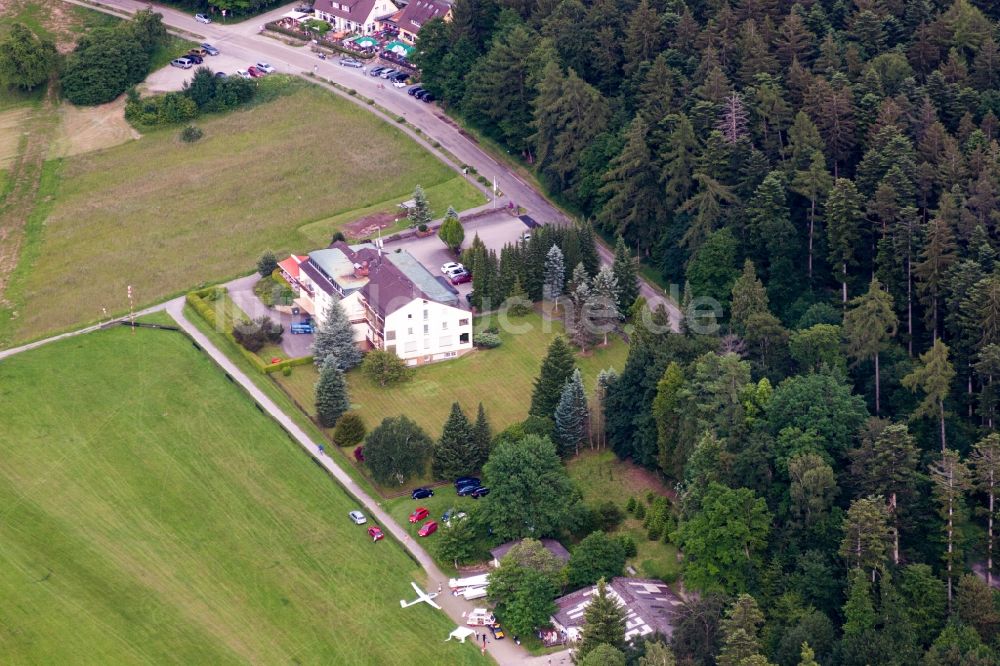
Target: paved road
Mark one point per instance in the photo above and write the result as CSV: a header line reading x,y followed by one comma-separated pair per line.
x,y
244,41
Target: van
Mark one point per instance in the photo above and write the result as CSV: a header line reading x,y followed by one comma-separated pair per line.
x,y
183,63
199,52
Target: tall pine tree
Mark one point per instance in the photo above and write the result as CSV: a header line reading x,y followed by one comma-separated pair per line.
x,y
455,453
557,368
331,394
572,416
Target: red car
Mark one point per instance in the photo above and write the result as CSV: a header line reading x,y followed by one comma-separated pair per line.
x,y
419,514
254,72
460,278
428,528
375,533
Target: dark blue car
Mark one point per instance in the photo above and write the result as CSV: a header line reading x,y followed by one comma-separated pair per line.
x,y
422,493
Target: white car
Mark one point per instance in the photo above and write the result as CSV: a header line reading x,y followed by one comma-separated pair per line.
x,y
201,18
451,266
265,67
243,74
400,83
358,518
455,272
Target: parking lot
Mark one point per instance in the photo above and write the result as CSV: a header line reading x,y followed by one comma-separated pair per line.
x,y
172,78
495,230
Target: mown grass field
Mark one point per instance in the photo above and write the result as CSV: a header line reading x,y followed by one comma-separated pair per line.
x,y
165,216
502,379
150,514
601,476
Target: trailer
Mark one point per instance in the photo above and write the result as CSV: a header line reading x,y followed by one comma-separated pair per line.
x,y
471,581
471,593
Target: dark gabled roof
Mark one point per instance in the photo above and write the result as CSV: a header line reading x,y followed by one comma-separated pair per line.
x,y
551,545
416,14
317,276
650,605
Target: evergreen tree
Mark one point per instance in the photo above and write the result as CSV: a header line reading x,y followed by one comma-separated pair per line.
x,y
455,453
886,464
578,312
866,534
420,213
678,159
266,263
808,657
749,297
555,274
869,323
740,632
519,305
705,208
331,394
604,309
933,377
572,416
349,431
626,275
950,477
813,183
589,257
482,438
603,623
936,258
334,338
633,202
557,369
843,222
985,464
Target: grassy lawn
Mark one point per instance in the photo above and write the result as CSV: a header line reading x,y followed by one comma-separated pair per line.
x,y
167,520
600,475
164,216
501,378
166,52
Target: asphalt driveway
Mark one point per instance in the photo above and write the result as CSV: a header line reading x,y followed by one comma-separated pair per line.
x,y
241,291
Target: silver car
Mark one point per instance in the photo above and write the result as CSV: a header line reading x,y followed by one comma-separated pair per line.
x,y
357,517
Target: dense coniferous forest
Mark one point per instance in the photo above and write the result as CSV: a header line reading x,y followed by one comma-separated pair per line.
x,y
829,171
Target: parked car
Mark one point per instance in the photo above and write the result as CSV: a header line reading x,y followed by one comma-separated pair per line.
x,y
198,51
210,50
243,74
414,90
350,62
426,96
399,76
422,493
254,72
447,268
299,329
221,75
399,83
201,18
357,517
375,71
497,631
481,491
428,528
386,73
461,277
265,67
419,514
466,480
375,533
451,272
450,516
183,63
195,58
465,491
305,9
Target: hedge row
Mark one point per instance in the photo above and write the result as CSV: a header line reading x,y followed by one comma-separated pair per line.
x,y
199,301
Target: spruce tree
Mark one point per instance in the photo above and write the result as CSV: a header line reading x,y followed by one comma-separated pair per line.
x,y
555,274
843,228
740,632
578,312
331,395
482,438
626,275
985,464
572,416
869,323
421,211
813,183
936,258
557,368
588,248
455,454
933,377
335,339
950,477
605,310
451,231
603,622
518,303
749,297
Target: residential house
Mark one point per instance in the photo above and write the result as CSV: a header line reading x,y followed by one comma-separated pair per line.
x,y
416,15
551,545
392,301
650,607
290,268
355,16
